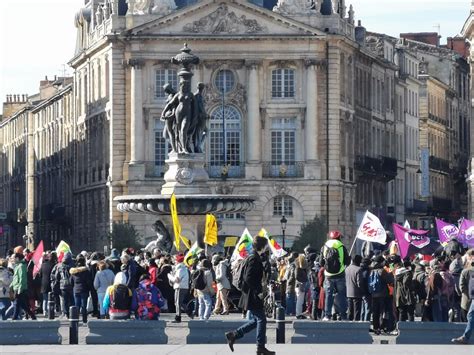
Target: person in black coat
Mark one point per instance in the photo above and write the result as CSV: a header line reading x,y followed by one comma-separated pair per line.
x,y
252,299
81,282
354,288
45,273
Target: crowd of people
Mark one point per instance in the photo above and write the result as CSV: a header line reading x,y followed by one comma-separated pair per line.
x,y
328,284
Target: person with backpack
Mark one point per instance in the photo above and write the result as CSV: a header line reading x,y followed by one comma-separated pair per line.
x,y
223,286
147,300
336,258
378,282
118,298
355,289
179,278
103,279
202,284
251,299
467,289
81,282
290,277
301,286
63,278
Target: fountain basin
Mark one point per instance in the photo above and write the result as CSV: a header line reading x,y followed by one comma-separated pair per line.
x,y
192,204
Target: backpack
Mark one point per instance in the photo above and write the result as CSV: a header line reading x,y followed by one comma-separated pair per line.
x,y
146,308
375,282
301,275
65,280
471,285
199,281
333,264
237,275
120,297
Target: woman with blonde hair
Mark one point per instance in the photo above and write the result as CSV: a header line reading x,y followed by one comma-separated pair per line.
x,y
301,288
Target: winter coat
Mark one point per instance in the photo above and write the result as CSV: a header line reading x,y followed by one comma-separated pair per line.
x,y
223,281
385,277
209,280
19,284
81,279
364,279
103,279
179,277
6,279
420,282
45,272
252,298
404,288
64,283
464,287
163,283
153,272
147,301
290,277
354,282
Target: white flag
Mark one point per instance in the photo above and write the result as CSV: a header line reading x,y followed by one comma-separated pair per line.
x,y
371,229
406,224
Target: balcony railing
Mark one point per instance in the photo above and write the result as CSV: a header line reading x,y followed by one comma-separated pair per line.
x,y
293,169
368,165
228,171
441,204
439,164
389,168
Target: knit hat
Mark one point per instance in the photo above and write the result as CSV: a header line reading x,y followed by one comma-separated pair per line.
x,y
179,258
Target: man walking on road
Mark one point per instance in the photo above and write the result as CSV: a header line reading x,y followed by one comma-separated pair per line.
x,y
252,299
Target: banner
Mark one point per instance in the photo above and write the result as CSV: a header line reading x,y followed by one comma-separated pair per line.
x,y
412,241
210,233
38,258
277,250
446,231
176,225
192,255
371,230
243,247
62,249
466,233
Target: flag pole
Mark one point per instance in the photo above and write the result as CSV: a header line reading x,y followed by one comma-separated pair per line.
x,y
353,244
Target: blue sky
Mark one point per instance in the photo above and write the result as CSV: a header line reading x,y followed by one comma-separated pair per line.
x,y
38,36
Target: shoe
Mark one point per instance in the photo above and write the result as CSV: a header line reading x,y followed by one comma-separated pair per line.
x,y
326,319
217,312
177,319
225,313
265,351
461,340
231,338
300,317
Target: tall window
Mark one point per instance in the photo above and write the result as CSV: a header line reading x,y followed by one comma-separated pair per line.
x,y
283,83
283,206
162,77
224,81
161,149
232,118
283,142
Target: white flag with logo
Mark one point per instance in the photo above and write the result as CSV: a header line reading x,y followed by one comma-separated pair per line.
x,y
406,224
371,229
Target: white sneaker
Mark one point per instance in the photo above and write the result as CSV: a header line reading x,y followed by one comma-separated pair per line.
x,y
326,319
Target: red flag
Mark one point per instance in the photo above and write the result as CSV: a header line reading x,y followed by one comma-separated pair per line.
x,y
38,258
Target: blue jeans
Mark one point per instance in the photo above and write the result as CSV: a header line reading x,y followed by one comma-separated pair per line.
x,y
205,306
68,301
4,305
366,308
470,322
80,301
257,320
290,303
439,310
45,303
335,286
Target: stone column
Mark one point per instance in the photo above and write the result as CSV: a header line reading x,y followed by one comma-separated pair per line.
x,y
30,182
254,133
311,121
137,126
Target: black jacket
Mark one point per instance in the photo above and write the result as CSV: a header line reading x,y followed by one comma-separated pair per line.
x,y
45,273
404,288
355,287
385,277
81,279
252,298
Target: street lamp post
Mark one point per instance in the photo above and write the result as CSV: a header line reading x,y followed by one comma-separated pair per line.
x,y
283,228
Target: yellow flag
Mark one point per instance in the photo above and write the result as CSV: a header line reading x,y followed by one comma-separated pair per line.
x,y
210,234
186,242
176,225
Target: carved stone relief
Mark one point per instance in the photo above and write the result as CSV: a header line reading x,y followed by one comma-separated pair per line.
x,y
293,6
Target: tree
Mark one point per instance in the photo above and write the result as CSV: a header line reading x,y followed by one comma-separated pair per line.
x,y
124,235
313,233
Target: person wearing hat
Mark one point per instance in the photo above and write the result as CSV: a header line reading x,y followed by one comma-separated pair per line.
x,y
336,259
118,298
179,277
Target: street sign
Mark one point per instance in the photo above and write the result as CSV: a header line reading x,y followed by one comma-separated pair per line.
x,y
3,216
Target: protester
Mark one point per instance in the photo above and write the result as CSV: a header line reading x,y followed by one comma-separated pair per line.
x,y
252,300
20,287
103,279
118,298
179,277
379,280
404,292
62,277
223,286
355,288
147,300
45,275
290,278
202,282
81,282
301,285
6,279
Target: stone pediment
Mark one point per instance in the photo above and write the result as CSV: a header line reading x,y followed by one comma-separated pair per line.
x,y
225,18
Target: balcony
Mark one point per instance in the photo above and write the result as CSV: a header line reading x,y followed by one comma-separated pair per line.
x,y
389,168
439,164
368,165
283,170
441,204
233,171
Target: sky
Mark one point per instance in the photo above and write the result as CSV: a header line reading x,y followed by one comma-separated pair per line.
x,y
38,37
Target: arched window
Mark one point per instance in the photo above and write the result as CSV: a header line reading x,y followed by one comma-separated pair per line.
x,y
283,83
230,118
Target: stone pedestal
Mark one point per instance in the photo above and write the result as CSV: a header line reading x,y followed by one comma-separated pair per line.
x,y
136,171
186,175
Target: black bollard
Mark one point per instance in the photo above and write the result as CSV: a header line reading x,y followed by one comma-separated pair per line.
x,y
51,306
73,325
280,322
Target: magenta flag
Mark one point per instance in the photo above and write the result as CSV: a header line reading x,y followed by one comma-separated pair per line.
x,y
413,241
466,233
446,231
38,258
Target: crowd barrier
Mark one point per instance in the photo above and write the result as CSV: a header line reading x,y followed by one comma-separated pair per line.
x,y
126,332
212,332
428,332
310,332
30,332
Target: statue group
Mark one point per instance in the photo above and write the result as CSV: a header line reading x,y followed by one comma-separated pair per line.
x,y
184,115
